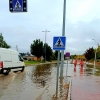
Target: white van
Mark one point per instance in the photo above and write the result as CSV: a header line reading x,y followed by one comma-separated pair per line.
x,y
10,60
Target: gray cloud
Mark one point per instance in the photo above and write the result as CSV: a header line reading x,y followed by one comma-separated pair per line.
x,y
82,24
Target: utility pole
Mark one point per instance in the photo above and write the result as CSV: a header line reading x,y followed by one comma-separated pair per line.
x,y
45,42
63,34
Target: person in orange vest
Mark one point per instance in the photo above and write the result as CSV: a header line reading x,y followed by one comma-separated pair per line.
x,y
81,63
75,63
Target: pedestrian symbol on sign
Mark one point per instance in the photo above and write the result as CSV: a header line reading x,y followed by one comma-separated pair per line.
x,y
17,5
59,43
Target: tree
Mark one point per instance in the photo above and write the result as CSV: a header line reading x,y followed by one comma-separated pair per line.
x,y
3,43
53,56
22,54
72,56
89,53
37,48
49,52
28,53
98,52
98,49
56,54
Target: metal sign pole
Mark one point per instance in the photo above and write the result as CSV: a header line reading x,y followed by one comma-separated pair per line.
x,y
63,34
67,56
67,67
57,72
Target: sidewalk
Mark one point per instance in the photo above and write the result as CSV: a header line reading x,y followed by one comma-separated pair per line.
x,y
85,88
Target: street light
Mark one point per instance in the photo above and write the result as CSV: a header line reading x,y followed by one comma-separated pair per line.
x,y
95,53
45,42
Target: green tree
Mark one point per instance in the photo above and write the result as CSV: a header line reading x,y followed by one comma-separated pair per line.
x,y
3,43
89,53
98,52
49,52
37,48
72,56
53,56
23,54
56,54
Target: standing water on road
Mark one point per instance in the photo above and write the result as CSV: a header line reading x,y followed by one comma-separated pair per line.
x,y
37,82
86,83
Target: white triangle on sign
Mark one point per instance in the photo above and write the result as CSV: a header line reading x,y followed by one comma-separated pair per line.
x,y
17,5
59,43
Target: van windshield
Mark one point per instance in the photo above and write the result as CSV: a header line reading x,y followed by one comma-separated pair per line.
x,y
19,58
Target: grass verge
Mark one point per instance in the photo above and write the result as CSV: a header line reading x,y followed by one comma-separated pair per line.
x,y
27,63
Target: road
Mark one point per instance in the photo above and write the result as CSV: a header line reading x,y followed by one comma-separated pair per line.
x,y
29,85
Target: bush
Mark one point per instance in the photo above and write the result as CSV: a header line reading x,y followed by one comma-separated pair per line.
x,y
29,60
25,58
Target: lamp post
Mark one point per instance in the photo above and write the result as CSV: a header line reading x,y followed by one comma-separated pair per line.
x,y
63,34
95,54
45,42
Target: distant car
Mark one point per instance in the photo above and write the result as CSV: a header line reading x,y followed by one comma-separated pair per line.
x,y
10,60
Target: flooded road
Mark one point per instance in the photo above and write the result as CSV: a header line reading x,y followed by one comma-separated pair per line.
x,y
38,82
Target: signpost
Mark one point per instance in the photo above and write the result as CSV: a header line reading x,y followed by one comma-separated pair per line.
x,y
58,44
63,34
18,5
67,56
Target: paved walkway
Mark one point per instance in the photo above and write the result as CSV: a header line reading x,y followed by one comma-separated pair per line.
x,y
85,88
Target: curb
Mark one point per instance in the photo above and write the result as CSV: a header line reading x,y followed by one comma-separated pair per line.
x,y
69,91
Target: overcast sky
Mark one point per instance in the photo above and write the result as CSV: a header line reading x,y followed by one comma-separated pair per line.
x,y
82,23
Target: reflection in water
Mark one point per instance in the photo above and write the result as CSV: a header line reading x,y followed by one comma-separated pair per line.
x,y
74,71
5,82
41,75
94,71
81,71
38,83
11,85
88,71
63,89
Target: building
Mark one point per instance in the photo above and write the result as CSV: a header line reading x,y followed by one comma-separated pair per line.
x,y
80,57
34,58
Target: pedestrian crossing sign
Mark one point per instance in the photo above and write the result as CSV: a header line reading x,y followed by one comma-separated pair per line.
x,y
59,43
18,5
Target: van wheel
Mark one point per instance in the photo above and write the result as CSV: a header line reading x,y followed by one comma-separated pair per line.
x,y
7,71
2,71
23,68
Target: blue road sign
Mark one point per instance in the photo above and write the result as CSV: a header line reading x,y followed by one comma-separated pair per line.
x,y
18,5
59,43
